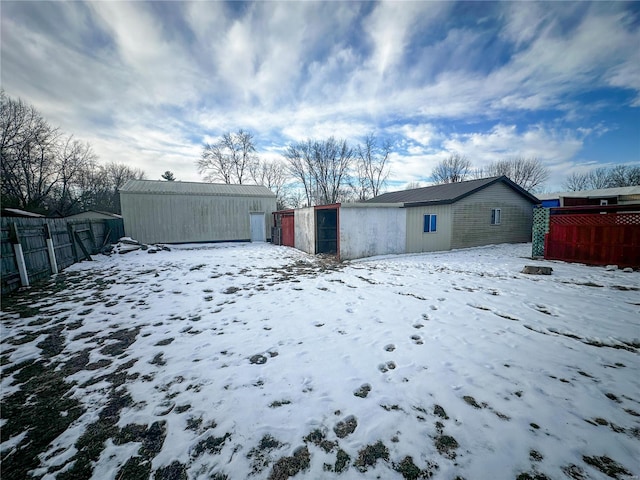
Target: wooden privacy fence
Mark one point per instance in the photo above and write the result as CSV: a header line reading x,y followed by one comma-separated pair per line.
x,y
35,248
594,238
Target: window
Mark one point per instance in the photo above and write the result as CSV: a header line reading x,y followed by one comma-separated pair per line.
x,y
495,216
430,223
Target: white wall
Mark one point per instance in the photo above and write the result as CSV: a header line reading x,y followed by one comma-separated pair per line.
x,y
368,231
305,229
181,218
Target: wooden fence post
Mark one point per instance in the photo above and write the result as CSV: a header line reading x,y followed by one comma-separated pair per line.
x,y
17,248
70,232
50,249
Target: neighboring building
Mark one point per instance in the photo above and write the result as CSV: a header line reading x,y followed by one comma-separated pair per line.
x,y
442,217
185,212
16,212
94,215
600,197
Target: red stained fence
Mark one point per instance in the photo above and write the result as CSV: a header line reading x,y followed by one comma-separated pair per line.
x,y
594,238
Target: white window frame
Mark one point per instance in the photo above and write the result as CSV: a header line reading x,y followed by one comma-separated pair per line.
x,y
433,222
496,216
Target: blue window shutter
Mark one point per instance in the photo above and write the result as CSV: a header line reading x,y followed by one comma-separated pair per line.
x,y
425,227
493,216
433,223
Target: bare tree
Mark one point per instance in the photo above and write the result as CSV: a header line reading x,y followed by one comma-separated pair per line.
x,y
229,160
29,167
624,176
273,175
371,167
529,173
413,185
451,170
576,182
603,177
75,158
108,180
322,168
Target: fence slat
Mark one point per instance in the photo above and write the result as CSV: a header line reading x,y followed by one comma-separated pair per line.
x,y
48,240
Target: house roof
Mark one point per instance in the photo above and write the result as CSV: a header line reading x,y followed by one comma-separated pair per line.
x,y
99,212
16,212
447,193
599,193
194,188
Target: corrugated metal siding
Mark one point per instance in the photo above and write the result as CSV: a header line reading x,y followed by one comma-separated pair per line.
x,y
472,218
195,188
305,230
365,232
162,218
417,240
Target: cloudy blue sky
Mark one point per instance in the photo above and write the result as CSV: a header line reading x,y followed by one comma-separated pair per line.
x,y
147,83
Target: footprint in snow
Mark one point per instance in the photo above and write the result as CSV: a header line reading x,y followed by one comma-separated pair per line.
x,y
390,348
385,367
417,339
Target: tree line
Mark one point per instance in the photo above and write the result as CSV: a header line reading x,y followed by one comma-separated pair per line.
x,y
328,170
47,171
529,173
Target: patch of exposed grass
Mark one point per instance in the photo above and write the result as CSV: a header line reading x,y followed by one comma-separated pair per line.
x,y
369,456
446,446
37,408
210,444
410,471
606,465
471,401
345,427
260,454
317,437
173,471
287,467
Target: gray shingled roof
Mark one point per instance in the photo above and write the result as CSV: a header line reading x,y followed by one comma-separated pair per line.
x,y
447,193
195,188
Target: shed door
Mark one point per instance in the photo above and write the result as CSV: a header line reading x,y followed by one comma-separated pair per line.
x,y
288,231
258,228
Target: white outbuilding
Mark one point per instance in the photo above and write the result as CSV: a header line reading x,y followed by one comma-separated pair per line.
x,y
185,212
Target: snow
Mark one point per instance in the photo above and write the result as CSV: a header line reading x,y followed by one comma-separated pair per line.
x,y
518,362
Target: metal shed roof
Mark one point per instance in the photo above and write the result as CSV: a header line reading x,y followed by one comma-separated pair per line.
x,y
447,193
602,192
160,187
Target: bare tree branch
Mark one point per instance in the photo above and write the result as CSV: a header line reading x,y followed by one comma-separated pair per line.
x,y
453,169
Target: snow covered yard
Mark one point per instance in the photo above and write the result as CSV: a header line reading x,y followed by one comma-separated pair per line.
x,y
255,361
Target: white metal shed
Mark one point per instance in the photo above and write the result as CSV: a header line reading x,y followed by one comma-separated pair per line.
x,y
184,212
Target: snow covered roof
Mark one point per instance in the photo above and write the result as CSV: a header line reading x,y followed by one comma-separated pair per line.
x,y
194,188
447,193
599,193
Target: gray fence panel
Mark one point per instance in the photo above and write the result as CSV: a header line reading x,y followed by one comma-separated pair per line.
x,y
66,235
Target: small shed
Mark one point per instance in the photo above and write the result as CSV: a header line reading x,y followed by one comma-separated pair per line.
x,y
441,217
465,214
184,212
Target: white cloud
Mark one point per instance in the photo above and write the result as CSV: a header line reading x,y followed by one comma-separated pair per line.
x,y
154,87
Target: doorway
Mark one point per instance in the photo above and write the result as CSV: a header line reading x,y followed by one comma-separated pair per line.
x,y
258,230
327,230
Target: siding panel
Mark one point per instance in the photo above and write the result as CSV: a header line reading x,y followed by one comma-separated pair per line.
x,y
417,240
365,232
156,218
472,218
305,229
